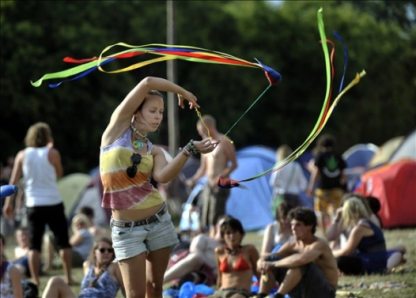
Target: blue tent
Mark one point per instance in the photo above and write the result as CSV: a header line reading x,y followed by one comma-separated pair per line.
x,y
358,158
251,203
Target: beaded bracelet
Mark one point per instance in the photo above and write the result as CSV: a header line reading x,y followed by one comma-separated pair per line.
x,y
190,147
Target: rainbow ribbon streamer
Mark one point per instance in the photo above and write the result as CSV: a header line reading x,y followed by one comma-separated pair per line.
x,y
166,52
326,111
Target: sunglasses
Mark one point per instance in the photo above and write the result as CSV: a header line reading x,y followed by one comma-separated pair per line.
x,y
103,250
135,158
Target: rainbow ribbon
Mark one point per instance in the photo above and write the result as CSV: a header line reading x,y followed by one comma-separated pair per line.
x,y
326,111
166,52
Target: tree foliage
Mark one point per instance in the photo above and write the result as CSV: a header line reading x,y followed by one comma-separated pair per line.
x,y
381,38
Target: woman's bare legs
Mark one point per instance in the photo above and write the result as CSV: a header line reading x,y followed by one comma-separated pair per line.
x,y
57,288
157,262
34,265
143,277
190,263
133,272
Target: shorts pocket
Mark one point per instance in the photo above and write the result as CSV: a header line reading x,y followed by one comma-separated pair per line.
x,y
118,232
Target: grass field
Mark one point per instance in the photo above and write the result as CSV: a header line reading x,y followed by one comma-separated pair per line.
x,y
399,284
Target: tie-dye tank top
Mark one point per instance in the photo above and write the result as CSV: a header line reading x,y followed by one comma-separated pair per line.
x,y
119,190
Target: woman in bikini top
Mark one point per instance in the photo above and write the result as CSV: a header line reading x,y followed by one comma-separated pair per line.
x,y
236,263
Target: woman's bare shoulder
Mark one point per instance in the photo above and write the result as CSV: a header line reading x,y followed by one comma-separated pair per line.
x,y
220,250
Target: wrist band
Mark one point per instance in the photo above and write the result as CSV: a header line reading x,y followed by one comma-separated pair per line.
x,y
190,147
185,152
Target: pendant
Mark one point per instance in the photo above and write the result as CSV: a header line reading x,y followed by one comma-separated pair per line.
x,y
138,144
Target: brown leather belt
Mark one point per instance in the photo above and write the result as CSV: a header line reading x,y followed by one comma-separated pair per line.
x,y
142,222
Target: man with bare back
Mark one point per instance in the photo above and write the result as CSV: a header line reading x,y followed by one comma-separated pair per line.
x,y
219,163
304,267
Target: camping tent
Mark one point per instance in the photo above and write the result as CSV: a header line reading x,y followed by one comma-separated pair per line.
x,y
70,187
359,155
358,158
385,151
251,203
407,148
78,190
394,185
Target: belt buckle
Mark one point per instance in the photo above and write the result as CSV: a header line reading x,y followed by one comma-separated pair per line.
x,y
162,211
151,219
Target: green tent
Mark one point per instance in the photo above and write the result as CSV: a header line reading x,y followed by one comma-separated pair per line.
x,y
71,187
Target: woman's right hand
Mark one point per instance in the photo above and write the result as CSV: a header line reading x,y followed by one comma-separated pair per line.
x,y
8,211
186,95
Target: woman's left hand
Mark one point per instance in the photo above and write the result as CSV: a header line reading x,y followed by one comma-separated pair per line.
x,y
206,145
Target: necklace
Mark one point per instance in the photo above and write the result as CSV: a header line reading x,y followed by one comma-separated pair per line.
x,y
233,251
140,140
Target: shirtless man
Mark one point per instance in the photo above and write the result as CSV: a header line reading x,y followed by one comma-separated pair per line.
x,y
219,163
304,267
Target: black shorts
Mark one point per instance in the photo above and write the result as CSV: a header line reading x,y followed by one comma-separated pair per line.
x,y
53,216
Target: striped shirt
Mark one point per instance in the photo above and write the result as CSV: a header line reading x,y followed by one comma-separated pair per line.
x,y
119,190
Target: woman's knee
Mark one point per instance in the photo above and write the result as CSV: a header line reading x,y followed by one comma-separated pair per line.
x,y
56,283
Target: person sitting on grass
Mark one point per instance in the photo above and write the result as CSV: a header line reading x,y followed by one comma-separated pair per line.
x,y
81,240
199,265
94,229
102,277
365,250
21,251
305,266
237,263
10,276
276,234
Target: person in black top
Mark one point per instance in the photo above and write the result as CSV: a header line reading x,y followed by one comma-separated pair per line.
x,y
327,176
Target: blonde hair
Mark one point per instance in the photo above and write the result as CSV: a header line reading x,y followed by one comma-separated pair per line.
x,y
38,135
282,152
353,210
79,219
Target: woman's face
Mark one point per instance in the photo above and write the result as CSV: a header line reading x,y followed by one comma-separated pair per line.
x,y
104,253
150,115
232,238
22,238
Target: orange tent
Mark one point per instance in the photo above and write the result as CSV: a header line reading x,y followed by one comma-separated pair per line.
x,y
395,186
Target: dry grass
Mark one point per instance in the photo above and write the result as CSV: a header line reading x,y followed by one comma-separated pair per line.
x,y
399,284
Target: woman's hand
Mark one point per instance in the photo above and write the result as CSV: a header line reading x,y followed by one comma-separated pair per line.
x,y
206,145
189,97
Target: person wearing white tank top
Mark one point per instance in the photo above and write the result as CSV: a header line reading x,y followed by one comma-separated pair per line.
x,y
40,166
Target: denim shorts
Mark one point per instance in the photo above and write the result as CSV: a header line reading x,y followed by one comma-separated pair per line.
x,y
132,241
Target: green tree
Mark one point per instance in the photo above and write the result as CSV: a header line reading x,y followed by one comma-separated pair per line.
x,y
381,38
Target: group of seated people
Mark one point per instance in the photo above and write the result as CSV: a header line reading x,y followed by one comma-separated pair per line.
x,y
292,260
15,271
